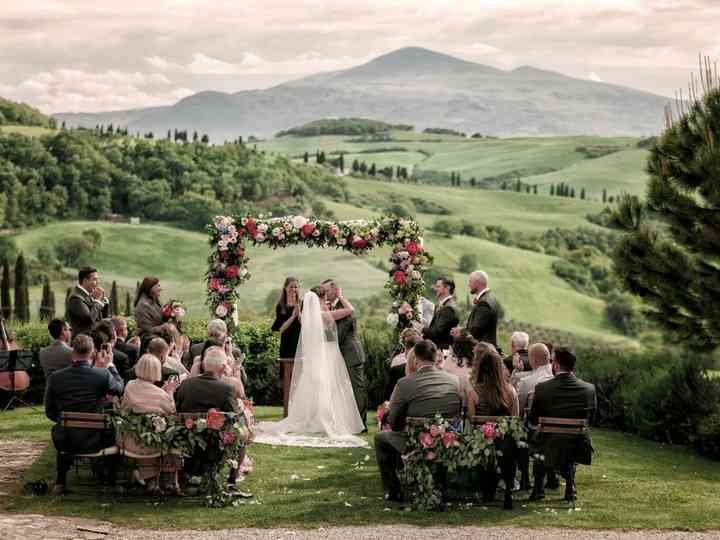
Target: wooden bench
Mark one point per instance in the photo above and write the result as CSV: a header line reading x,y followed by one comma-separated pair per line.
x,y
569,429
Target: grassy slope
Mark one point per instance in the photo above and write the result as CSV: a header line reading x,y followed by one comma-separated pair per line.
x,y
30,131
633,483
178,258
483,158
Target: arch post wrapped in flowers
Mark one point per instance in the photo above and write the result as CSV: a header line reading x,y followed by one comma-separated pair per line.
x,y
230,237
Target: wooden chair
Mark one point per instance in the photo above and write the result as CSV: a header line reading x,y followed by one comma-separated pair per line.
x,y
569,431
507,463
96,421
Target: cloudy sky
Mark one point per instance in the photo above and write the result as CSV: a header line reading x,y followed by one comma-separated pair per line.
x,y
93,55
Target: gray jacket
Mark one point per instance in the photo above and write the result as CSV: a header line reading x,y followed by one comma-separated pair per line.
x,y
55,357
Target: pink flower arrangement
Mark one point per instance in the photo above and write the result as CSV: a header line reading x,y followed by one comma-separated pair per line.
x,y
215,419
400,277
308,229
232,271
430,456
251,227
413,248
427,440
380,414
227,437
215,284
189,423
489,431
359,243
449,439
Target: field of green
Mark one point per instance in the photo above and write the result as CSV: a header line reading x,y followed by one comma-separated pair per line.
x,y
30,131
539,160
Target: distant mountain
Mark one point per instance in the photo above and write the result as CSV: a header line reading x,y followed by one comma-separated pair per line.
x,y
410,86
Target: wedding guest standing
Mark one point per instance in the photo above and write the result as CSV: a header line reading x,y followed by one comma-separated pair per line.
x,y
483,319
287,323
446,314
148,311
87,303
142,396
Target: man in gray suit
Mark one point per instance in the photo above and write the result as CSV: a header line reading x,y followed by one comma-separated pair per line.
x,y
351,349
58,355
425,393
87,303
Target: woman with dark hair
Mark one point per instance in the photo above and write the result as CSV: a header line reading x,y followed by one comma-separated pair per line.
x,y
492,394
148,310
459,361
287,323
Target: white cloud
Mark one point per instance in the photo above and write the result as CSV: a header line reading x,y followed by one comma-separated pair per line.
x,y
484,48
594,77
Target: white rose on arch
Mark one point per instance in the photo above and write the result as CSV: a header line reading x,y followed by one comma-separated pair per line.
x,y
393,319
262,228
221,310
299,222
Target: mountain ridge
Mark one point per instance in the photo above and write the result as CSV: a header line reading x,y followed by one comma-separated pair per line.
x,y
415,86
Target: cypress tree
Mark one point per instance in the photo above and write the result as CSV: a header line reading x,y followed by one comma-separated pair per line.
x,y
26,292
518,186
582,193
535,191
341,163
169,135
114,305
504,186
21,307
552,190
5,299
572,192
306,157
47,310
128,304
604,195
372,170
52,304
527,188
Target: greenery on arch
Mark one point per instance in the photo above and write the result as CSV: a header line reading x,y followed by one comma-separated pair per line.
x,y
231,235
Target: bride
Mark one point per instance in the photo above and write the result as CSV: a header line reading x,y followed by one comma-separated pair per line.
x,y
322,410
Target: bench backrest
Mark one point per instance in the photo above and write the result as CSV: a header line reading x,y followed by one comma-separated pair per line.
x,y
563,426
85,420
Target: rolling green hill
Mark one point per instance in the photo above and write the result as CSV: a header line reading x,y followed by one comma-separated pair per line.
x,y
29,131
536,160
523,281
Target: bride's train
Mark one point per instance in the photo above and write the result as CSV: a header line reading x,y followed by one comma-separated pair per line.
x,y
322,411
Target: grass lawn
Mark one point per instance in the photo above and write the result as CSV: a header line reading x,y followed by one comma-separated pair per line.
x,y
29,131
633,483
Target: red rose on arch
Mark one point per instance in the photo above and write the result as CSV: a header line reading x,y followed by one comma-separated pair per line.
x,y
251,227
359,243
224,255
232,271
214,284
413,248
215,419
308,229
240,251
400,277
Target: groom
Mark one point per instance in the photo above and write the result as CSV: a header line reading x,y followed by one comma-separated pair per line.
x,y
351,349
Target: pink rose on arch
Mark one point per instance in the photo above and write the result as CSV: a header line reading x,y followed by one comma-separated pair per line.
x,y
430,456
427,440
413,248
215,419
435,431
240,252
489,431
214,284
232,271
308,229
400,277
189,423
224,255
449,439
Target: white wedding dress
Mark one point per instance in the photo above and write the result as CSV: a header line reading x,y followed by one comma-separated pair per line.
x,y
321,411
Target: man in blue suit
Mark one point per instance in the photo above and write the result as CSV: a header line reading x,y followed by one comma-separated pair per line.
x,y
80,388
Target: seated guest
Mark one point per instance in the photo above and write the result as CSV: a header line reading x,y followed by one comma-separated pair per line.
x,y
217,336
459,361
541,372
59,354
396,371
80,388
230,375
207,391
87,303
131,347
517,362
446,315
563,396
142,396
492,394
106,330
148,310
177,346
159,348
102,343
425,393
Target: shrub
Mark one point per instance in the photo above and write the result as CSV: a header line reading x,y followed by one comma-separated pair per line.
x,y
445,227
468,263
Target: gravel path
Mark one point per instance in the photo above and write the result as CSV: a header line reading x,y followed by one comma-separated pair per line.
x,y
31,526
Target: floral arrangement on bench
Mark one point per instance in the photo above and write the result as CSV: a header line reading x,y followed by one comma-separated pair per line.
x,y
451,444
221,436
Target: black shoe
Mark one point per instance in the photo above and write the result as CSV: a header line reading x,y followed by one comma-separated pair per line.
x,y
570,496
536,496
393,497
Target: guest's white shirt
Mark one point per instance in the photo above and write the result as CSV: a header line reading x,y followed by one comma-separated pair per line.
x,y
526,389
479,295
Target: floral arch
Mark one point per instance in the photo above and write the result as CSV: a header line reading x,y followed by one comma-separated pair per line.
x,y
230,236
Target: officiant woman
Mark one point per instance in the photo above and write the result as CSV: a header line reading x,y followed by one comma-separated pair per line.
x,y
287,322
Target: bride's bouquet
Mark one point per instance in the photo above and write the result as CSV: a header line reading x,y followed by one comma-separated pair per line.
x,y
174,311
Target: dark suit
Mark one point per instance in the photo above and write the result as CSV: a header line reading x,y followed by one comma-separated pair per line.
x,y
445,319
78,388
132,352
82,311
205,392
483,319
425,393
354,356
564,396
55,357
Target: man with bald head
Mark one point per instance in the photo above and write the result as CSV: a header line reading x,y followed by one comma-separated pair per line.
x,y
539,356
483,319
